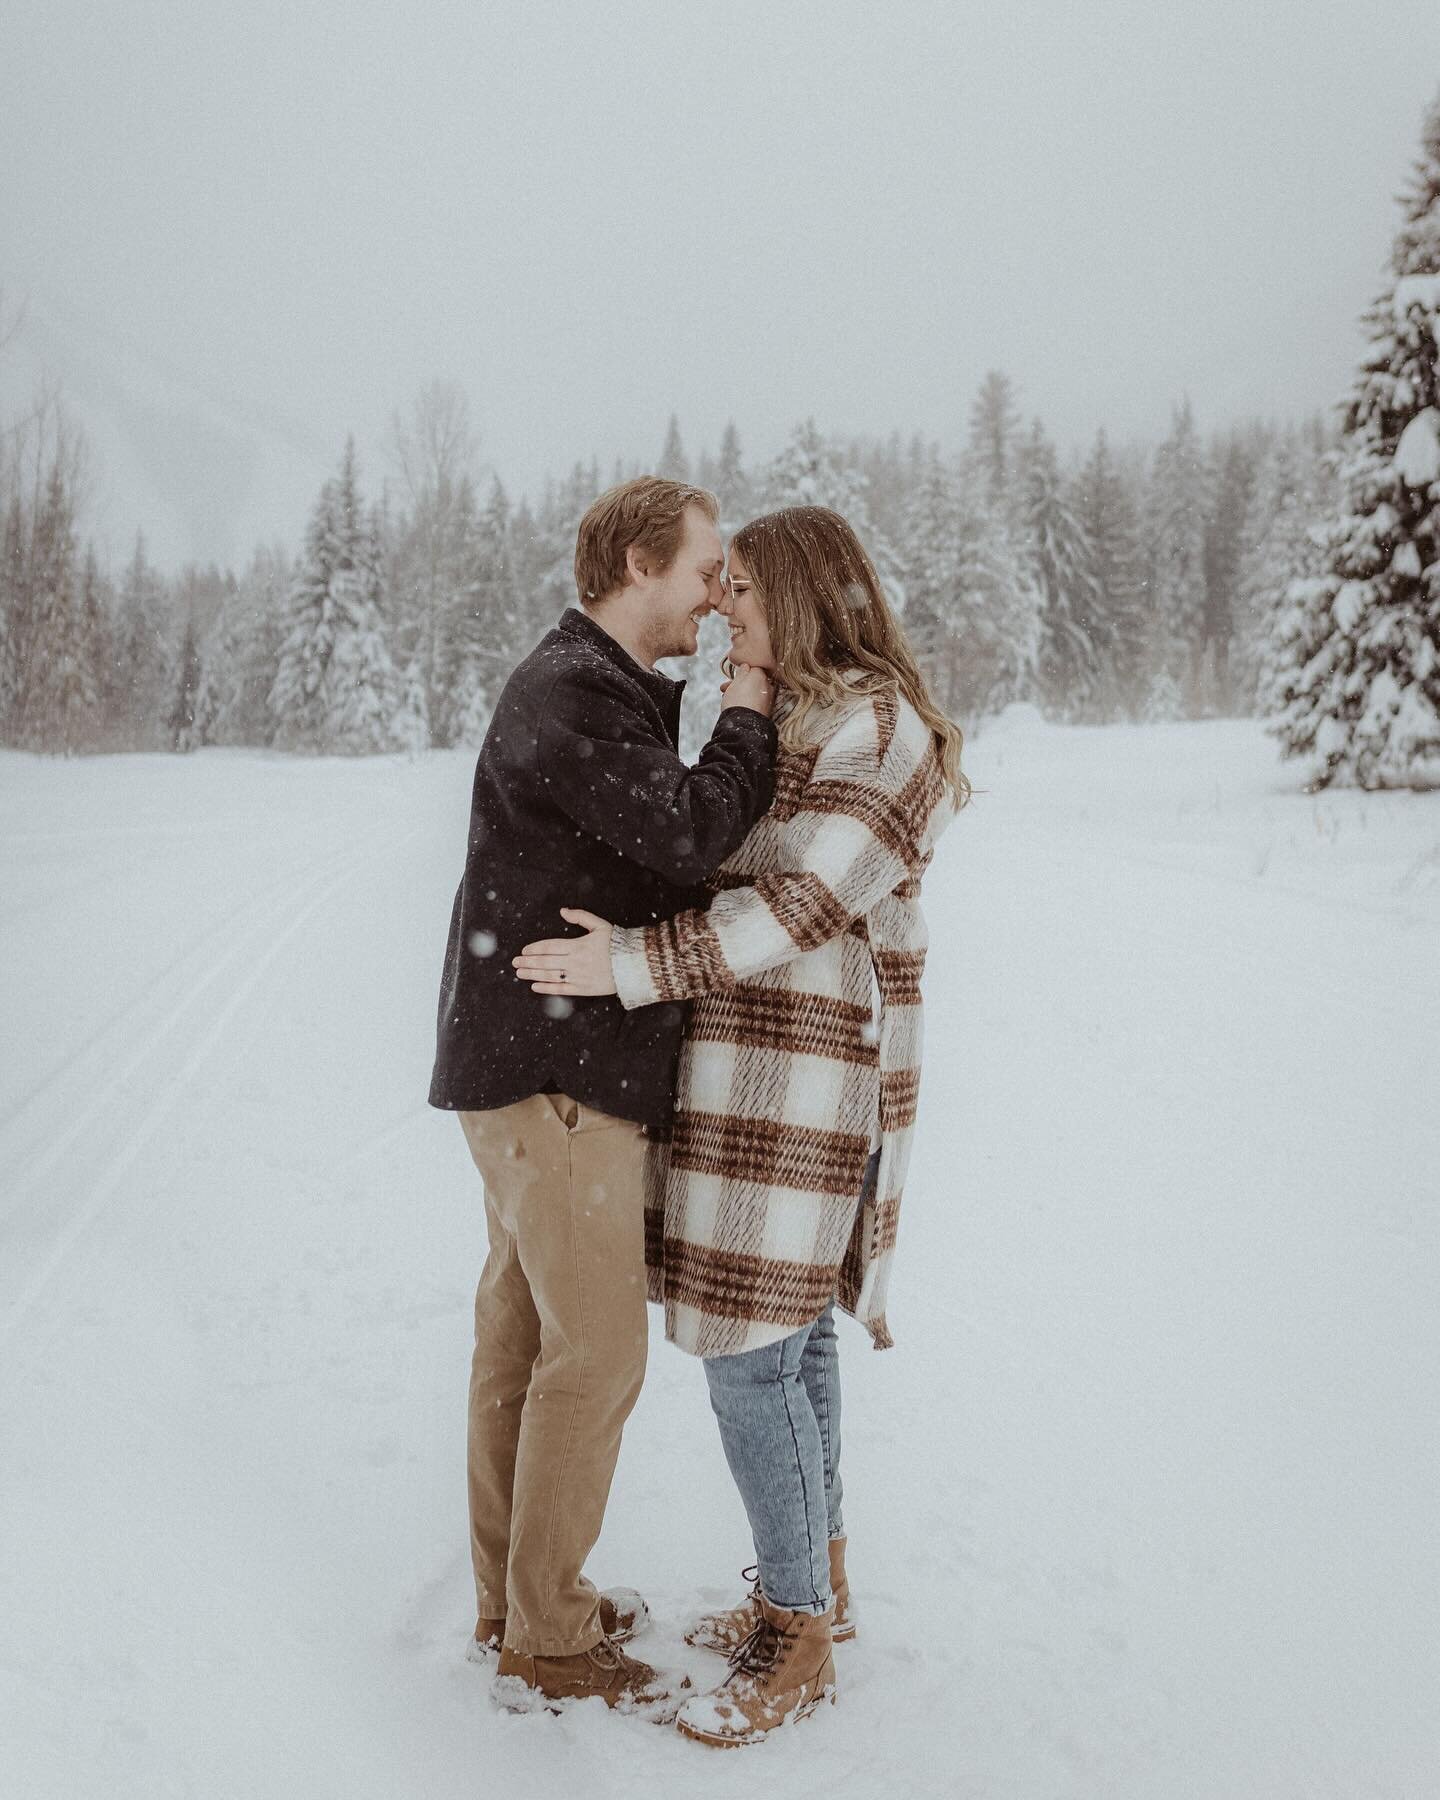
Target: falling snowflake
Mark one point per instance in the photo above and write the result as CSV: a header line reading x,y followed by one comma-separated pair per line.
x,y
483,943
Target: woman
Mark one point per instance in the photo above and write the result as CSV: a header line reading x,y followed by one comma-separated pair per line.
x,y
797,1082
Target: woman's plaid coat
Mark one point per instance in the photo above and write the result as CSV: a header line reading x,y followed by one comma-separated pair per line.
x,y
753,1224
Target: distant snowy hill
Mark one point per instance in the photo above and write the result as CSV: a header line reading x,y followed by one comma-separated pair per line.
x,y
203,472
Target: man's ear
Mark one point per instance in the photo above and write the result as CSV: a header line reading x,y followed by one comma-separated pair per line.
x,y
637,565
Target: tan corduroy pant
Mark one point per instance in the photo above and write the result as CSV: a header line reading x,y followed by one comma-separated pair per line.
x,y
560,1343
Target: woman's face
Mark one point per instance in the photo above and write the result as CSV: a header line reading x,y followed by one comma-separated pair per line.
x,y
749,638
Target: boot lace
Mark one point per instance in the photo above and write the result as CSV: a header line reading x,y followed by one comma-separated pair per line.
x,y
608,1655
760,1651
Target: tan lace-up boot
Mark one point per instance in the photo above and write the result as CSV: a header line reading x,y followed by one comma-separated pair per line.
x,y
623,1613
531,1683
784,1670
843,1629
722,1631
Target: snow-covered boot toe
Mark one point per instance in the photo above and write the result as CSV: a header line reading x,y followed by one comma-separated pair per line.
x,y
783,1672
724,1631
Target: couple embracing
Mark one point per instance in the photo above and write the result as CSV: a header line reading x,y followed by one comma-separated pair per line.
x,y
705,1097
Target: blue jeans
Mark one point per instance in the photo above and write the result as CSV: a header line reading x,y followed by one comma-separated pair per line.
x,y
779,1414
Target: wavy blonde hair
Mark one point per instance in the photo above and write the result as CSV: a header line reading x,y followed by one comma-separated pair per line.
x,y
827,616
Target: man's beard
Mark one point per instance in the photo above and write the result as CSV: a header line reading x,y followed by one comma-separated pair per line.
x,y
674,642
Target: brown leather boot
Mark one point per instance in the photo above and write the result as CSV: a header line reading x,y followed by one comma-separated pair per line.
x,y
526,1683
623,1613
722,1631
843,1629
784,1670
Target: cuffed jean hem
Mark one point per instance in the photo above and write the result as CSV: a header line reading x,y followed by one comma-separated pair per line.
x,y
802,1606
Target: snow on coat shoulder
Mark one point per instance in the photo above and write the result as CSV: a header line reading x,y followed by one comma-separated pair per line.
x,y
755,1218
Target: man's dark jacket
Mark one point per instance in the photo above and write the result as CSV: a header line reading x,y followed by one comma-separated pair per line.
x,y
581,799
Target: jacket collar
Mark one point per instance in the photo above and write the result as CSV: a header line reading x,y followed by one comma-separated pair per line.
x,y
577,624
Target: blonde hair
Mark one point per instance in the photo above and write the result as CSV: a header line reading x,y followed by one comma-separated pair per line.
x,y
648,512
827,615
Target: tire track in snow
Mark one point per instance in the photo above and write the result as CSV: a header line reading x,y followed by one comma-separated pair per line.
x,y
170,1012
176,971
173,1076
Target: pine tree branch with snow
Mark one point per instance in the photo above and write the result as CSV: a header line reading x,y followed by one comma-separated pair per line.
x,y
1356,681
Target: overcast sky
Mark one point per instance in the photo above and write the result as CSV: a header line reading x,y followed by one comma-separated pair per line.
x,y
242,231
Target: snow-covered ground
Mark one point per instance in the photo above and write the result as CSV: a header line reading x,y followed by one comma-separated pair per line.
x,y
1142,1507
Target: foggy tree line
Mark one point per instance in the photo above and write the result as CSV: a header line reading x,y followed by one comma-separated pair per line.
x,y
1130,583
1287,570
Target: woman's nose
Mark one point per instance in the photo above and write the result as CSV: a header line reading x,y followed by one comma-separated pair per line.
x,y
725,605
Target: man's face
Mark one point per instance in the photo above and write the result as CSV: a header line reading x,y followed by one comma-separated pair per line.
x,y
689,588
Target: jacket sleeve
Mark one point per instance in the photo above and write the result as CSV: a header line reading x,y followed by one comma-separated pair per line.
x,y
859,841
619,778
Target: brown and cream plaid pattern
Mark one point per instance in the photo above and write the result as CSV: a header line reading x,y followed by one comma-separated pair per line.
x,y
754,1220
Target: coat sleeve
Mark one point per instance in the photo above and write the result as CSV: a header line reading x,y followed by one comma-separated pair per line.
x,y
859,839
615,773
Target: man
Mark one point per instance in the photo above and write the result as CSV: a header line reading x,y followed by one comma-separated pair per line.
x,y
580,798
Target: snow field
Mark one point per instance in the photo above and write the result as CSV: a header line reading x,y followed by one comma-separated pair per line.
x,y
1142,1503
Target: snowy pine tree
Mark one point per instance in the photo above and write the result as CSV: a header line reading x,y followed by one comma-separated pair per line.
x,y
732,487
60,699
493,631
15,625
809,471
142,656
240,659
1106,510
1231,488
994,445
548,558
812,471
410,727
185,732
95,633
971,610
427,545
336,687
674,464
930,571
1358,651
222,671
1060,556
71,689
1293,490
1174,550
535,555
